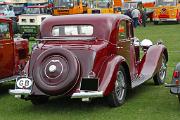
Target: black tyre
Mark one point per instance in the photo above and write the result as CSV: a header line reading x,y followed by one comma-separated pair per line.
x,y
56,71
38,100
118,95
160,76
179,97
178,21
156,22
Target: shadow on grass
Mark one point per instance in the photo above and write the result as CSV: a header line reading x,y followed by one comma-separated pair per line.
x,y
167,23
65,104
4,87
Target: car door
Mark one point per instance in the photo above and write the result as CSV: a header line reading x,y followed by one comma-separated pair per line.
x,y
6,51
125,46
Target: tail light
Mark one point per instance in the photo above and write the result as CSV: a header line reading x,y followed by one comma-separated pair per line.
x,y
176,74
177,82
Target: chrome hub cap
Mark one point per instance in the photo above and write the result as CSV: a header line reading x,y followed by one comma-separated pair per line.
x,y
162,72
52,68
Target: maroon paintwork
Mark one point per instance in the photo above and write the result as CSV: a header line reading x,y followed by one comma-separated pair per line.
x,y
13,54
97,58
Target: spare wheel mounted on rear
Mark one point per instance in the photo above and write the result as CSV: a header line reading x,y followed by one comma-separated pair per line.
x,y
56,71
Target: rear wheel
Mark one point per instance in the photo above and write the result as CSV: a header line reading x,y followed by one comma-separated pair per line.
x,y
178,21
37,100
179,97
160,76
118,95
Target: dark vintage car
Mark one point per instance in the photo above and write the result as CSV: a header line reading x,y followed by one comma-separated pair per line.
x,y
175,83
88,56
13,52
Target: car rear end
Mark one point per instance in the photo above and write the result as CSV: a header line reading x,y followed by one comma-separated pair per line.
x,y
175,83
166,14
21,54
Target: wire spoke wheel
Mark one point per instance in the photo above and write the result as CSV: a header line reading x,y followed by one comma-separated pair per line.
x,y
120,85
118,95
160,76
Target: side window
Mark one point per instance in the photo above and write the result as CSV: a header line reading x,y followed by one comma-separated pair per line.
x,y
130,30
122,30
4,31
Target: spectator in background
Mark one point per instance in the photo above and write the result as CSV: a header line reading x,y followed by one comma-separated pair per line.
x,y
144,17
128,13
135,16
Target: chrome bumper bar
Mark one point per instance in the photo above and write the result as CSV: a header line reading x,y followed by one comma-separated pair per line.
x,y
89,94
20,92
165,19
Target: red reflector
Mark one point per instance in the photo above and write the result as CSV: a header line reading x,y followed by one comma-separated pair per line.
x,y
176,74
177,82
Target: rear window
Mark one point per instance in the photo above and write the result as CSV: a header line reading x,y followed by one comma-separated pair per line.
x,y
72,30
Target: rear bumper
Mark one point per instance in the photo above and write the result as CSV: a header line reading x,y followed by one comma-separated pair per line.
x,y
174,89
20,92
165,19
89,94
81,94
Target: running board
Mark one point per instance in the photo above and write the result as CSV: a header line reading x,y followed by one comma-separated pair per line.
x,y
139,80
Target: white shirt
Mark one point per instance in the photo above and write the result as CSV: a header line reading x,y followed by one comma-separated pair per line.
x,y
135,13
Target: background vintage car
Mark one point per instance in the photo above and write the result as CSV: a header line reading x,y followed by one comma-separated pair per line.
x,y
29,24
175,83
87,56
13,52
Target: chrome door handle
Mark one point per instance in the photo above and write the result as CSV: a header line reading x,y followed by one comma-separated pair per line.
x,y
119,47
7,43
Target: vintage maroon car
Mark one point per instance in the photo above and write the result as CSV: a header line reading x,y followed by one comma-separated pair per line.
x,y
13,52
88,56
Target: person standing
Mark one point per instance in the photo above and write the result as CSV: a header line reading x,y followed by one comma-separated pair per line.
x,y
128,13
144,17
135,16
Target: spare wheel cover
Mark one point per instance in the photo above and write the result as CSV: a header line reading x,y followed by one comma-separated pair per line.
x,y
56,71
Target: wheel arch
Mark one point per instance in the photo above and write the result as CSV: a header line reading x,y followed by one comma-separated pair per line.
x,y
126,68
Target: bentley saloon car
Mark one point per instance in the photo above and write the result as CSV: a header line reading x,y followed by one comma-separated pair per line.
x,y
13,52
89,56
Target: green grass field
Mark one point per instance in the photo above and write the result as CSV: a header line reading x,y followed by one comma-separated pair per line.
x,y
146,102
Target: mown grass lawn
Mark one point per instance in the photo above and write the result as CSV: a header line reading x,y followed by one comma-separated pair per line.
x,y
147,102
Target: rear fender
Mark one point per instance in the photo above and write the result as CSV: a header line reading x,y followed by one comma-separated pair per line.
x,y
151,61
109,74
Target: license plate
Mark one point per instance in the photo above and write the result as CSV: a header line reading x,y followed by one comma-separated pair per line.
x,y
24,83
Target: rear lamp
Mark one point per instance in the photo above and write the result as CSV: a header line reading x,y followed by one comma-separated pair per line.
x,y
176,74
177,82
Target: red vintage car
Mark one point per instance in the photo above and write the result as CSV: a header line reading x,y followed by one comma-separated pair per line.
x,y
89,56
13,52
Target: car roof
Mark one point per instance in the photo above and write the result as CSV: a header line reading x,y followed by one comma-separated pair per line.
x,y
102,23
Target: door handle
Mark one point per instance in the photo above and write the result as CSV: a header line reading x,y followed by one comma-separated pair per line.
x,y
118,47
7,43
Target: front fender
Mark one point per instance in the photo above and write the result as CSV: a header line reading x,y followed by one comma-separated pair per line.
x,y
151,61
109,74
